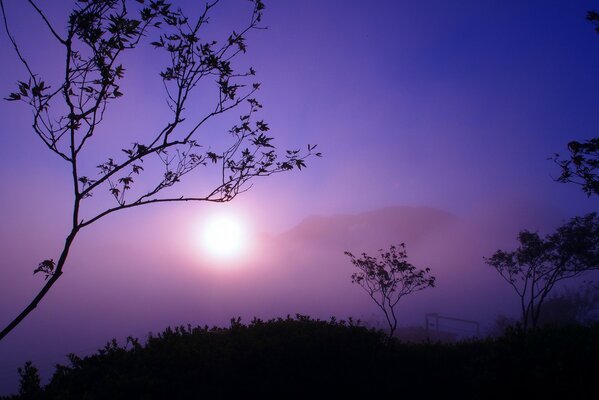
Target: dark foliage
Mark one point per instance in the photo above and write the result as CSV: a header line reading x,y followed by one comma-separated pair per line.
x,y
578,305
581,166
283,356
306,357
29,381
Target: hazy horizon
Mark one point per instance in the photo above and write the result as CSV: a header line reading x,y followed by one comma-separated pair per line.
x,y
301,270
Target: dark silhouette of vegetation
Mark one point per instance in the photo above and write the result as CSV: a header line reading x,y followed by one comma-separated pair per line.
x,y
593,17
572,306
501,323
300,356
29,381
538,264
67,114
581,166
388,279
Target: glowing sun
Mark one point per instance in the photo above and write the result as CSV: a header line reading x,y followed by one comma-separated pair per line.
x,y
224,237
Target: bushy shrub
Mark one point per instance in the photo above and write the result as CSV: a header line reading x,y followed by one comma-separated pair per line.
x,y
300,356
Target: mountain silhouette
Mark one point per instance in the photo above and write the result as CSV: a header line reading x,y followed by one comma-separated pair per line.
x,y
370,230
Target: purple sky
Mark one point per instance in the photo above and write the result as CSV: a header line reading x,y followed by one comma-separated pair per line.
x,y
450,105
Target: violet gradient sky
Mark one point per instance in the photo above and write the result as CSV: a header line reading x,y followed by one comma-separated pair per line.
x,y
455,105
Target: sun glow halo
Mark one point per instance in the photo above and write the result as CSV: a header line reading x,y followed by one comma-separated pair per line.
x,y
224,237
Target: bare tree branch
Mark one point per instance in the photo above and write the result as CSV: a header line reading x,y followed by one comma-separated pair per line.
x,y
65,118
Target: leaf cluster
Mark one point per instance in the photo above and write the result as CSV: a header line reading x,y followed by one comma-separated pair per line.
x,y
572,249
97,35
390,275
582,165
46,267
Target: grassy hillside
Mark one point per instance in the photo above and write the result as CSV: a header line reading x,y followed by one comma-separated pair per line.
x,y
301,356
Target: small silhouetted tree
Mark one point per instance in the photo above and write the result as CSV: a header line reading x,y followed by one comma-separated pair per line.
x,y
389,278
67,113
538,264
583,161
29,381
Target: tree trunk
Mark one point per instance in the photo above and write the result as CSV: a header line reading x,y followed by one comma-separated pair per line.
x,y
57,273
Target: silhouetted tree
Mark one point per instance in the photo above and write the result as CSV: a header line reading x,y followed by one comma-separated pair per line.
x,y
389,278
581,166
67,114
538,264
29,381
